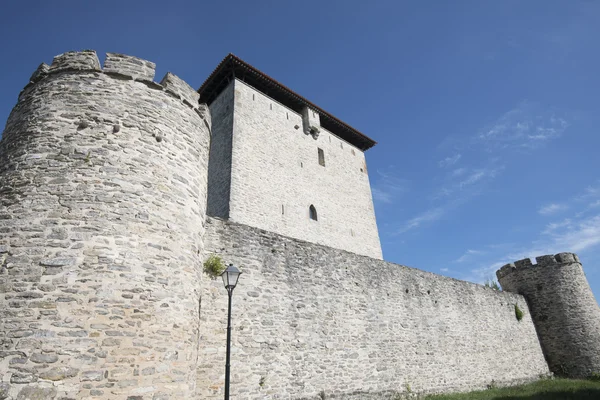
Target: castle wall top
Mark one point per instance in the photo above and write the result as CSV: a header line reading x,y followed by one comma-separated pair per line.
x,y
541,261
124,67
233,67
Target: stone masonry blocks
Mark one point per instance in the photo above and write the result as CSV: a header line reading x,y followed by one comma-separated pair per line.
x,y
78,60
101,236
309,318
563,309
177,86
129,66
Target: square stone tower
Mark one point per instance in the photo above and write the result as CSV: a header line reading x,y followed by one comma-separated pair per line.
x,y
280,163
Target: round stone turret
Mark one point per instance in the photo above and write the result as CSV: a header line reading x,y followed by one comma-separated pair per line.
x,y
563,308
103,177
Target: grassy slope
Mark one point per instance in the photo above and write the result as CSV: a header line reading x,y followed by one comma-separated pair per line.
x,y
555,389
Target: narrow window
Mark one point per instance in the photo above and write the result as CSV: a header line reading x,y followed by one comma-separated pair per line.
x,y
321,157
287,115
312,213
302,165
353,153
282,210
252,96
341,145
271,106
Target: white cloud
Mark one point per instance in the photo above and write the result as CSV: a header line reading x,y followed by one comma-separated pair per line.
x,y
426,217
578,236
594,204
468,254
527,126
552,208
565,236
478,175
444,269
388,186
449,161
459,172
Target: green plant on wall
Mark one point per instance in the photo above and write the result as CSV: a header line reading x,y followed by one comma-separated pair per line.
x,y
518,313
491,283
214,266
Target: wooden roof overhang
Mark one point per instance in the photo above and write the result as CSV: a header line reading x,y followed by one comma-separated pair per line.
x,y
233,67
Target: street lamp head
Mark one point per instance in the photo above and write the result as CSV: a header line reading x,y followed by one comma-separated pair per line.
x,y
230,277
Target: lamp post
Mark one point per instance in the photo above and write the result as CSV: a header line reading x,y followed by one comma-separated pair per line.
x,y
230,277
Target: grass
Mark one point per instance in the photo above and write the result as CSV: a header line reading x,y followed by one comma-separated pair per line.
x,y
547,389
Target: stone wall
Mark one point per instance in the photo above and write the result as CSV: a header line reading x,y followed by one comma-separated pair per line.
x,y
103,179
564,310
276,176
310,319
219,164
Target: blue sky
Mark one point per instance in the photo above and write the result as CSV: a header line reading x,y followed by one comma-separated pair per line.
x,y
486,112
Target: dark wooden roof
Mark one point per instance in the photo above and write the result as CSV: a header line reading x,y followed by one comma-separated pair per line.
x,y
233,67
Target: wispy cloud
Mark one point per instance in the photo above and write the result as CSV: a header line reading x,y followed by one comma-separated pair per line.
x,y
527,126
580,233
478,175
449,161
552,208
427,217
388,185
459,172
467,174
468,254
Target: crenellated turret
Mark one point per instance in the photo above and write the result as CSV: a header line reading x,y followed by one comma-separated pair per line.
x,y
103,176
563,308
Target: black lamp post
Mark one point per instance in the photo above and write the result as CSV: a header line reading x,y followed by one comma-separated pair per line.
x,y
230,277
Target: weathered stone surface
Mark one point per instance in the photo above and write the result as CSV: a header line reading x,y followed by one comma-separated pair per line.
x,y
354,326
37,393
265,173
79,60
130,66
88,215
59,373
23,377
563,308
4,387
43,358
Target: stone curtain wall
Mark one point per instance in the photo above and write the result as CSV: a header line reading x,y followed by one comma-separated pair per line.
x,y
103,179
275,165
310,319
564,310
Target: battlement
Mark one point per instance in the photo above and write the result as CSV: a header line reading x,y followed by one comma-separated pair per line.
x,y
541,261
122,66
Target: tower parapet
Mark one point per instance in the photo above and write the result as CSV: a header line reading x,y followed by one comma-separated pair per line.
x,y
563,308
103,176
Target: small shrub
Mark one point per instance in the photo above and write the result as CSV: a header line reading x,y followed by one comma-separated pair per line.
x,y
595,377
407,387
262,380
214,266
492,385
518,313
491,283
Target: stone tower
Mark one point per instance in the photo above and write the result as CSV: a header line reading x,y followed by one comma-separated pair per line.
x,y
280,163
103,179
563,309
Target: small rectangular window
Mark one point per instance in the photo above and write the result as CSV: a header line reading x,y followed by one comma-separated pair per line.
x,y
321,157
282,210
